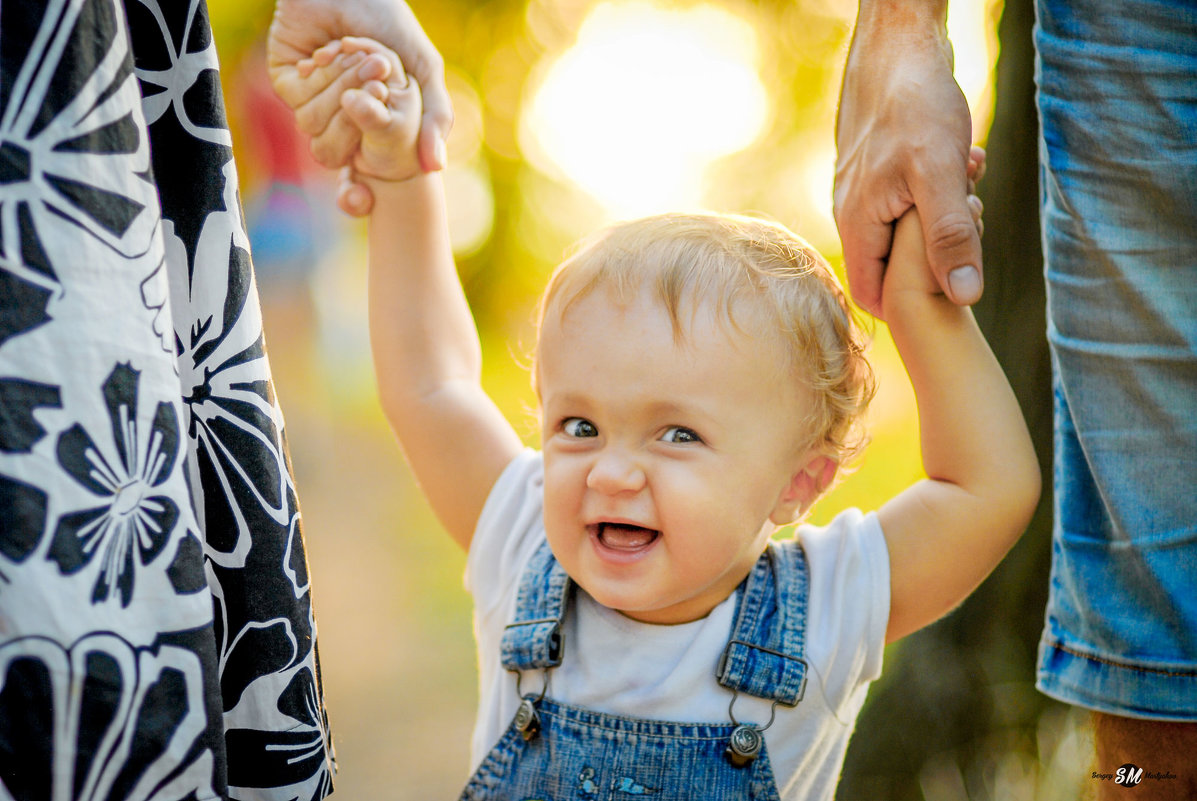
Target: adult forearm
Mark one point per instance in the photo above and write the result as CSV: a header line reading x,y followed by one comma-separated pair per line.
x,y
903,11
903,134
889,28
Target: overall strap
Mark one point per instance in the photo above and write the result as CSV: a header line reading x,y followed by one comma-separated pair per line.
x,y
534,637
766,655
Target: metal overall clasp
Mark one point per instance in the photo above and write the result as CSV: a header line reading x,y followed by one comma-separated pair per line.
x,y
746,740
527,719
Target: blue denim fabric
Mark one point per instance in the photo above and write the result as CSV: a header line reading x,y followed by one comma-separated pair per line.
x,y
533,639
764,656
1118,109
584,754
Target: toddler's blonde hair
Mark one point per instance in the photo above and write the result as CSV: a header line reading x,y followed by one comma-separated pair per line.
x,y
736,262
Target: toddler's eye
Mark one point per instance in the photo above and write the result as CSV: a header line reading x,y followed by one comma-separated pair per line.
x,y
680,434
579,427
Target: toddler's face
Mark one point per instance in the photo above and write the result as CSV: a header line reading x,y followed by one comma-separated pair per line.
x,y
667,462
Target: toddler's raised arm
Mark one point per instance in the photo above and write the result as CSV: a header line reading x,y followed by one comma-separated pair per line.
x,y
426,350
946,533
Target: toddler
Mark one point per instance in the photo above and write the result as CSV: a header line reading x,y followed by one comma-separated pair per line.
x,y
700,381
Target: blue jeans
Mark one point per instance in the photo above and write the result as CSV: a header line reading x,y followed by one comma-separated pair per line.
x,y
1118,109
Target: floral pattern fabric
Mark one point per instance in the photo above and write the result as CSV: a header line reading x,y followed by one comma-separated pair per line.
x,y
157,639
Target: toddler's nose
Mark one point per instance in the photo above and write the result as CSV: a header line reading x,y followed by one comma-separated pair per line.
x,y
615,472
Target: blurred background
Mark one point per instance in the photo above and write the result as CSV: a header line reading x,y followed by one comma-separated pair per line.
x,y
569,114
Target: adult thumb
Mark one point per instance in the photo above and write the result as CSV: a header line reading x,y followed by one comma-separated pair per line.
x,y
437,116
953,247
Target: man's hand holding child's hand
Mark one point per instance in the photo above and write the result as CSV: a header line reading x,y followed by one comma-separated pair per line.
x,y
907,269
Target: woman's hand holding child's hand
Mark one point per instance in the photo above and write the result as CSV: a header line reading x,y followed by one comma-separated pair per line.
x,y
363,100
387,112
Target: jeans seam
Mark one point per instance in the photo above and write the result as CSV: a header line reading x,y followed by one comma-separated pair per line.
x,y
1192,674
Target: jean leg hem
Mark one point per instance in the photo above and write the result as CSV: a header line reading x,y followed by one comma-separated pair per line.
x,y
1147,692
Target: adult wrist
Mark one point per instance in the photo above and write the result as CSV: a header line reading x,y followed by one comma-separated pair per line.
x,y
917,11
903,18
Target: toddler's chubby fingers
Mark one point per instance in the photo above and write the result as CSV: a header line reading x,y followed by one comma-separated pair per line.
x,y
380,64
376,105
907,269
377,89
389,130
366,108
335,145
326,82
976,163
977,208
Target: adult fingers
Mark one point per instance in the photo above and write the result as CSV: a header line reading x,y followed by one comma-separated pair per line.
x,y
866,247
325,86
383,57
298,82
427,67
321,57
866,234
313,85
977,208
435,123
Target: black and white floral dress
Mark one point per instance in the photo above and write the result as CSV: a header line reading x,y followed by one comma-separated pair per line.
x,y
157,639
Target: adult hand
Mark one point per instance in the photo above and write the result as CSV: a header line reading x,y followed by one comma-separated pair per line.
x,y
301,27
903,138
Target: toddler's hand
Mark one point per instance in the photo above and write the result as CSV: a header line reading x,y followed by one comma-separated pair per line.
x,y
316,89
975,172
314,86
907,269
387,113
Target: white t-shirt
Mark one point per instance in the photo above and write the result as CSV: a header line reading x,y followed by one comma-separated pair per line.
x,y
619,666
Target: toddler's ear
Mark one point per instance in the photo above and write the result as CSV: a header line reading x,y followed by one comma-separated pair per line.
x,y
805,486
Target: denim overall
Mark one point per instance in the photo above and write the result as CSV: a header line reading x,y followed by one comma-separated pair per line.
x,y
553,751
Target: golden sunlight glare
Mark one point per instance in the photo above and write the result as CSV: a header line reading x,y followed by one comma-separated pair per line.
x,y
973,31
644,101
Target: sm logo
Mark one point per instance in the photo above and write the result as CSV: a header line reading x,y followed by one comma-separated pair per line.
x,y
1128,775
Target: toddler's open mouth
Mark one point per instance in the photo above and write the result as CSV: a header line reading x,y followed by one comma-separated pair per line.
x,y
624,536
